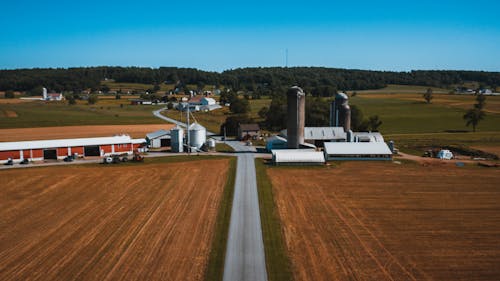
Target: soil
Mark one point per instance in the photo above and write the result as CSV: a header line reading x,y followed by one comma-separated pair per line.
x,y
44,133
97,222
383,221
10,114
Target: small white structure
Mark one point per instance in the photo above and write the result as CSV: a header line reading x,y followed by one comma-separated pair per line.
x,y
368,137
207,101
357,151
276,142
197,135
297,157
177,139
160,138
445,154
51,96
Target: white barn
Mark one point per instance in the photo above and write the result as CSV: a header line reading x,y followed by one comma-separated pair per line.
x,y
297,157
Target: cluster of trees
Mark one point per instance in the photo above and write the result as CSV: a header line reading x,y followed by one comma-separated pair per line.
x,y
318,81
317,115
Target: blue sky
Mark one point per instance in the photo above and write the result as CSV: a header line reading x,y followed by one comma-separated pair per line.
x,y
219,35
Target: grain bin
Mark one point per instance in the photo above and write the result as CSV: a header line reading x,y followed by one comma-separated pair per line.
x,y
340,112
211,144
177,139
296,101
197,135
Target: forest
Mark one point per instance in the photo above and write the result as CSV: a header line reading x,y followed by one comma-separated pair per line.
x,y
319,81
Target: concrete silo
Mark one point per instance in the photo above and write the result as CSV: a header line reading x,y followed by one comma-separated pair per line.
x,y
177,139
296,106
340,112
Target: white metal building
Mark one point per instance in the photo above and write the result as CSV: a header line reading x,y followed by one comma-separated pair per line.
x,y
368,137
297,157
207,101
357,151
276,142
160,138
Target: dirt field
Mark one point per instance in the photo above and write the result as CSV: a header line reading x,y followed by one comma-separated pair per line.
x,y
490,149
383,221
136,222
44,133
9,113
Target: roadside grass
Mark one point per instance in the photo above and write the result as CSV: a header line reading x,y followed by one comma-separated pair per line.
x,y
108,112
277,260
223,147
215,266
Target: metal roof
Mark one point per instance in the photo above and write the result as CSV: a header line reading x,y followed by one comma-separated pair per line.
x,y
369,136
250,127
38,144
357,148
196,127
321,133
157,134
297,156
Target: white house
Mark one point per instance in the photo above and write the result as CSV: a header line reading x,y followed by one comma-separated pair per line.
x,y
207,101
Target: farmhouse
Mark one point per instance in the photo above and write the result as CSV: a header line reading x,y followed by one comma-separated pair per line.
x,y
246,131
60,148
160,138
51,96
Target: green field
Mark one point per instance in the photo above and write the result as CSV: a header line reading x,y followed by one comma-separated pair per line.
x,y
105,112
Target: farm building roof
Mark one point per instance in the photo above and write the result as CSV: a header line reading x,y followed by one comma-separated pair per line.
x,y
157,134
321,133
369,136
39,144
305,156
357,148
250,127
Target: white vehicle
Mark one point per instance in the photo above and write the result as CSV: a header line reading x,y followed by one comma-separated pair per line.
x,y
445,154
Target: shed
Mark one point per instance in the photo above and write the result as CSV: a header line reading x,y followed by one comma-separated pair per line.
x,y
246,131
297,157
368,137
157,139
207,101
357,151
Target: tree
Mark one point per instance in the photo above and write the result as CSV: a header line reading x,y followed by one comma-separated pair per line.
x,y
240,106
481,101
374,122
428,95
170,105
92,99
71,100
9,94
263,112
473,116
118,96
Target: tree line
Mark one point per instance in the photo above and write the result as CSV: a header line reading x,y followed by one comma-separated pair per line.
x,y
319,81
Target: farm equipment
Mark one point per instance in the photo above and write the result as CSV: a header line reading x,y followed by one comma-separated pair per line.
x,y
9,162
137,157
115,159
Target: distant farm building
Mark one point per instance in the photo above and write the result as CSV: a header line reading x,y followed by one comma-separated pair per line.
x,y
58,149
160,138
140,101
357,151
276,142
319,135
51,96
247,131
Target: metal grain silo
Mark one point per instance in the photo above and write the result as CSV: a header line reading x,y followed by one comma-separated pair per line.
x,y
177,139
340,112
296,103
197,135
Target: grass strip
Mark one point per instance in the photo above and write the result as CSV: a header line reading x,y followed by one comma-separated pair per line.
x,y
215,266
277,261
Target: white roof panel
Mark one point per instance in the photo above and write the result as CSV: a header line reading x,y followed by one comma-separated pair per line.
x,y
297,156
158,133
357,148
321,133
38,144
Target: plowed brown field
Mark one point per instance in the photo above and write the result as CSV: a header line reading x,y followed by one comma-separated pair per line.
x,y
382,221
44,133
140,222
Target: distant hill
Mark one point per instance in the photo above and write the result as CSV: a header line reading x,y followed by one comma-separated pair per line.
x,y
318,80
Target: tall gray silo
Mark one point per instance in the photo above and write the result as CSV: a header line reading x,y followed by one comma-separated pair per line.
x,y
296,100
340,112
177,139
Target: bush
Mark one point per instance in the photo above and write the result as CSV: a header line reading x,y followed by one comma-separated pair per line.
x,y
9,94
170,105
240,106
93,99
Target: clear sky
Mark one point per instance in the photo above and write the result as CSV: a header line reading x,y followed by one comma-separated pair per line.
x,y
220,35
